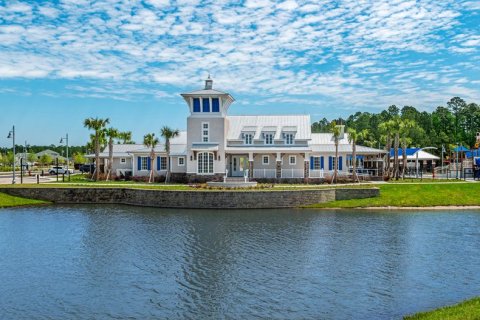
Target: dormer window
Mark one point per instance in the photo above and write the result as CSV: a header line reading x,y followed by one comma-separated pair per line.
x,y
247,138
289,138
268,138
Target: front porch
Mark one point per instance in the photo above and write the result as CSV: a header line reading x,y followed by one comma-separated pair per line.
x,y
267,165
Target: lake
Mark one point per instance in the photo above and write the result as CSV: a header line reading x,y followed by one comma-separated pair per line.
x,y
105,262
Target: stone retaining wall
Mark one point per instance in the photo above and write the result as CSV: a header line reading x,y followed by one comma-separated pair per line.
x,y
191,199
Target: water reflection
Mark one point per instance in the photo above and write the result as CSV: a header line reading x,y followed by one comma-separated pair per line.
x,y
119,261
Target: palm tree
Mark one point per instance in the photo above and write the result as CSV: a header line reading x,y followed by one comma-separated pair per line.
x,y
396,124
168,133
97,125
150,141
125,137
335,130
386,130
352,138
112,134
405,129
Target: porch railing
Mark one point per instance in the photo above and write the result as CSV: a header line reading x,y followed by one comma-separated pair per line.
x,y
292,173
319,173
265,173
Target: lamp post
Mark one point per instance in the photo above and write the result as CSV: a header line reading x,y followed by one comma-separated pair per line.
x,y
416,160
11,135
66,142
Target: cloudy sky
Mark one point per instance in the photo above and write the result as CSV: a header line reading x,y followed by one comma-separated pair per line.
x,y
62,61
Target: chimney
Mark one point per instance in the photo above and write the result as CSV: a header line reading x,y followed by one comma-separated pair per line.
x,y
208,83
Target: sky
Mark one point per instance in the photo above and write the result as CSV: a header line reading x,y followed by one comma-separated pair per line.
x,y
66,60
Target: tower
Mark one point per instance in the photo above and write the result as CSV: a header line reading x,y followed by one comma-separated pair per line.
x,y
207,127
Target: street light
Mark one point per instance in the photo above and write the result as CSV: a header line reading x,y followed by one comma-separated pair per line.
x,y
66,142
11,135
416,160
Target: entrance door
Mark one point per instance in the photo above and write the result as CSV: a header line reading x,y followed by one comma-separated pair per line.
x,y
239,165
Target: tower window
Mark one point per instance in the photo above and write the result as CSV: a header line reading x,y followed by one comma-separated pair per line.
x,y
206,104
205,131
215,105
196,105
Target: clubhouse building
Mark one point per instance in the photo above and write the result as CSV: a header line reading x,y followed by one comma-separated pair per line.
x,y
216,144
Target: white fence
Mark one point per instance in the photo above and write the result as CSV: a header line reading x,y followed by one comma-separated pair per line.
x,y
317,174
265,173
292,173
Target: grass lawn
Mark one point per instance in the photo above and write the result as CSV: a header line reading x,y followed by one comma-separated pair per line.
x,y
415,195
466,310
12,201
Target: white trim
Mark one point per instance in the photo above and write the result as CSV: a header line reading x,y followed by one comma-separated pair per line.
x,y
268,159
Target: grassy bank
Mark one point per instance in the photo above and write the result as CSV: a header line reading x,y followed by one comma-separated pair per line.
x,y
11,201
466,310
415,195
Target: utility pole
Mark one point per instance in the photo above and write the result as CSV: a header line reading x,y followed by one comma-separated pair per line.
x,y
66,142
11,135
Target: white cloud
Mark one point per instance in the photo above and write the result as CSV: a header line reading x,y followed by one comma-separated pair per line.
x,y
350,51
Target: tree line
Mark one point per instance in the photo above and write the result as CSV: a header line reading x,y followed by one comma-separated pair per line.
x,y
454,124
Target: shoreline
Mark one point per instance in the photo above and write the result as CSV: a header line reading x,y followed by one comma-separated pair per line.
x,y
407,208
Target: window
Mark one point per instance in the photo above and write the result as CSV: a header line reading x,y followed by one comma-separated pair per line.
x,y
205,163
288,138
205,131
144,163
265,160
334,163
292,160
268,138
163,163
196,104
247,138
123,160
316,163
206,104
215,105
181,161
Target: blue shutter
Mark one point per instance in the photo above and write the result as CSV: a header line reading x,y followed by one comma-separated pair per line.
x,y
322,164
196,104
330,163
139,163
215,105
206,105
148,163
340,163
158,163
311,163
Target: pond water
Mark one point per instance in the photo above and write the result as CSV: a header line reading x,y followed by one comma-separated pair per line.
x,y
106,262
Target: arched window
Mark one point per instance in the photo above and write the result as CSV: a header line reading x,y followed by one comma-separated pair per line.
x,y
205,162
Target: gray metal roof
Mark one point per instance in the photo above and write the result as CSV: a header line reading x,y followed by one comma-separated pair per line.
x,y
276,123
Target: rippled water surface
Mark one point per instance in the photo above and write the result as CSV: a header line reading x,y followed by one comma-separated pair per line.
x,y
65,262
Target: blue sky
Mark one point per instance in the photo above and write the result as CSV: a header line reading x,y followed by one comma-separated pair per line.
x,y
63,61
